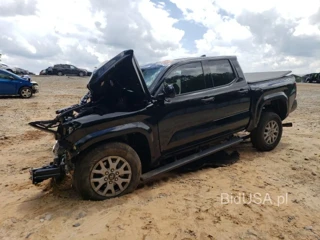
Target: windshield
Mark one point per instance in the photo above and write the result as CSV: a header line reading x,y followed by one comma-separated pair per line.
x,y
151,73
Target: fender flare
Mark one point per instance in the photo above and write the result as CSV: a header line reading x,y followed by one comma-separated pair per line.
x,y
263,101
114,132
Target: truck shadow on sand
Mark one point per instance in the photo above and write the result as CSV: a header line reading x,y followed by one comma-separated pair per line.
x,y
216,160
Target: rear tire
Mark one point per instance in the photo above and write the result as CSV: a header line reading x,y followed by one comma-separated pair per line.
x,y
25,92
60,73
107,171
268,133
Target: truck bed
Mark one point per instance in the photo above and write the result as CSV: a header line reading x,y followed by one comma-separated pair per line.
x,y
254,77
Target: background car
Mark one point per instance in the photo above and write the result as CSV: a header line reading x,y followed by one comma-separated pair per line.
x,y
67,69
21,71
8,68
47,71
12,84
312,77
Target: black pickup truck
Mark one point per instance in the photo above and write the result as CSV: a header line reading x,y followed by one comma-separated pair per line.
x,y
136,123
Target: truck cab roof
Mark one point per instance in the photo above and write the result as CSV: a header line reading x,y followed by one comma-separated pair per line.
x,y
171,62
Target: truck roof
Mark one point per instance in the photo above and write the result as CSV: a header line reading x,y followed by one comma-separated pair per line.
x,y
186,59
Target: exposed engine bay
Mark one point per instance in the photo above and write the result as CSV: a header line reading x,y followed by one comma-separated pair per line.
x,y
116,86
116,99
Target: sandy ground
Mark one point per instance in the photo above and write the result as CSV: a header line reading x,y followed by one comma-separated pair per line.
x,y
192,205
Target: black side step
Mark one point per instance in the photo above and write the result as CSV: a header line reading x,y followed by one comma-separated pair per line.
x,y
190,158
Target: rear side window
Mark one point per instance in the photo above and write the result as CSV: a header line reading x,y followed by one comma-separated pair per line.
x,y
221,72
187,78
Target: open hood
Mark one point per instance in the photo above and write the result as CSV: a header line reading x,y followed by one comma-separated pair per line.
x,y
121,72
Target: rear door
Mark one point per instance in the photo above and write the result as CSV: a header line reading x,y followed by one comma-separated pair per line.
x,y
231,108
8,85
73,70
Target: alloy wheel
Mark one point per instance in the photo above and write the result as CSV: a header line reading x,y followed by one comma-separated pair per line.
x,y
271,132
26,92
110,176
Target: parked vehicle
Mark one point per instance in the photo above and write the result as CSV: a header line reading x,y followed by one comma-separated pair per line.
x,y
67,69
137,123
16,70
47,71
313,77
20,71
8,68
12,84
43,72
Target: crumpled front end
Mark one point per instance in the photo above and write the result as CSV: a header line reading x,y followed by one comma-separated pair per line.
x,y
62,126
57,169
116,86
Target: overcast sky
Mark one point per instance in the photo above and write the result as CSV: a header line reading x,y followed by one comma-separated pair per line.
x,y
265,35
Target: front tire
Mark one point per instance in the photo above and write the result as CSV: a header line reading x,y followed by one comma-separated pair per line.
x,y
60,74
25,92
268,133
107,171
81,74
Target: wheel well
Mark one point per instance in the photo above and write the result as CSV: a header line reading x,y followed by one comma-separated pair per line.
x,y
140,144
137,141
23,87
277,106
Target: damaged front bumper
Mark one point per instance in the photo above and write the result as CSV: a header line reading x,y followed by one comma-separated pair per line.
x,y
56,169
38,175
35,88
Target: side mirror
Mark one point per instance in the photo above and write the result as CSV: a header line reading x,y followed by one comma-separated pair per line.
x,y
169,91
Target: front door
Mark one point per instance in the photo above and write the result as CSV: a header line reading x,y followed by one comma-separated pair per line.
x,y
7,84
182,119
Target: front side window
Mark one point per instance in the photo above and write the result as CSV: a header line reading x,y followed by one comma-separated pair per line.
x,y
221,72
187,78
72,67
6,76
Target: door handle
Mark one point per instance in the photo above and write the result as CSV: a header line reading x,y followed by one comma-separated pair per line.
x,y
207,99
243,91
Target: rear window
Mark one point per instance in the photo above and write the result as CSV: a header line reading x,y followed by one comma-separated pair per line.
x,y
221,72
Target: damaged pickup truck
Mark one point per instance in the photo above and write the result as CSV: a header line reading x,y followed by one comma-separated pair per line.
x,y
136,123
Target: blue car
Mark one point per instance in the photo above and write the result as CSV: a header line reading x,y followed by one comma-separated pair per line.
x,y
12,84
